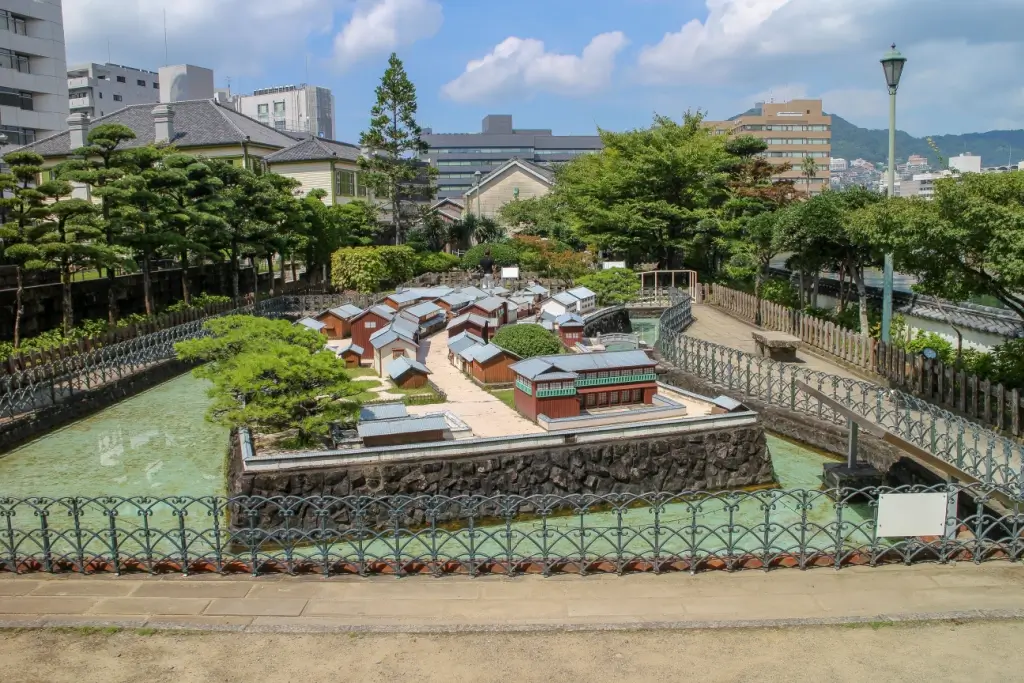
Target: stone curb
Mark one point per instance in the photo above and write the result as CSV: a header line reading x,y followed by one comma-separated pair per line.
x,y
158,623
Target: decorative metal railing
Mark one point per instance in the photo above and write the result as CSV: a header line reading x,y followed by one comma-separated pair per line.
x,y
689,530
980,452
615,379
562,391
524,387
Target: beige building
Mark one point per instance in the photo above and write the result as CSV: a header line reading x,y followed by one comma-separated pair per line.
x,y
322,164
794,130
514,180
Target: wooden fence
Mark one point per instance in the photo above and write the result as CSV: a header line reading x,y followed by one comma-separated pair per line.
x,y
990,404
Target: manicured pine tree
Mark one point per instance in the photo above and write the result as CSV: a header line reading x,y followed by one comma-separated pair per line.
x,y
394,144
22,211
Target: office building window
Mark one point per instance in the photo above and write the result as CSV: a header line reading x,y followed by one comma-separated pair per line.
x,y
279,109
13,23
482,150
14,60
18,136
141,82
156,85
15,98
345,184
101,96
118,98
122,79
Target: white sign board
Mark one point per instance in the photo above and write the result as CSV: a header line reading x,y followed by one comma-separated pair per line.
x,y
914,514
510,273
608,265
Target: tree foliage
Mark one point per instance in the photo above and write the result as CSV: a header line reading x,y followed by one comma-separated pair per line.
x,y
370,269
613,286
527,340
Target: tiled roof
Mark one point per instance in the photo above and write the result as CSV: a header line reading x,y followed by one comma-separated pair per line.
x,y
315,149
385,312
355,348
197,123
406,325
477,320
424,310
581,293
582,362
570,320
311,323
406,425
463,341
400,366
469,353
383,411
538,289
345,312
385,336
565,299
488,352
491,303
456,300
473,293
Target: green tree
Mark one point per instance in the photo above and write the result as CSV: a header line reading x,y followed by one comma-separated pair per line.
x,y
67,239
394,140
809,170
231,335
964,243
613,286
538,216
527,340
99,164
23,210
649,193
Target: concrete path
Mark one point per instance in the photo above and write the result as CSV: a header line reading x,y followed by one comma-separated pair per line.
x,y
485,414
423,604
713,325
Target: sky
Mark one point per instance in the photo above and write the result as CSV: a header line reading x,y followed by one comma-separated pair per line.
x,y
577,65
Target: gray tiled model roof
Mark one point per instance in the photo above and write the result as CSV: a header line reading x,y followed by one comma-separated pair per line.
x,y
569,320
462,341
345,312
473,293
406,325
565,299
315,149
473,318
424,310
383,411
497,290
469,353
197,123
581,293
311,323
355,348
406,425
399,367
405,297
582,362
538,289
488,352
457,300
491,303
521,299
383,311
554,376
386,335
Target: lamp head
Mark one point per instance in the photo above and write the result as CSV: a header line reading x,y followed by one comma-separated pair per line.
x,y
892,65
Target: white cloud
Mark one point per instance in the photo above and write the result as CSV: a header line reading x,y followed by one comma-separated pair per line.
x,y
235,37
382,26
522,66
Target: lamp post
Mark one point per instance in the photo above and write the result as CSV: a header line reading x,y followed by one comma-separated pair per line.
x,y
892,65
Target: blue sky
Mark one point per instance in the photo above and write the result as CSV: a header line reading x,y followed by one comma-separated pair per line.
x,y
574,65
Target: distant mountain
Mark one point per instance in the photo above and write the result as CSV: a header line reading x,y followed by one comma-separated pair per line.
x,y
849,141
996,147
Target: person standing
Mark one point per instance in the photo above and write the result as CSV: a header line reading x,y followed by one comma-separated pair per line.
x,y
487,269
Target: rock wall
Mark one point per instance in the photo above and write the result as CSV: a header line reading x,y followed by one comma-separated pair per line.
x,y
613,321
710,460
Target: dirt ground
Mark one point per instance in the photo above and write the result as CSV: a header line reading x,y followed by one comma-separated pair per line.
x,y
985,651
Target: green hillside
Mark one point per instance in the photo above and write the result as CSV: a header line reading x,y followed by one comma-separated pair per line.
x,y
995,147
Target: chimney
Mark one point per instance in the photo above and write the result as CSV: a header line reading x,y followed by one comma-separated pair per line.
x,y
163,118
78,126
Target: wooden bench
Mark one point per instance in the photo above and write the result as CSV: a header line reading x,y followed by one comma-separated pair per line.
x,y
776,345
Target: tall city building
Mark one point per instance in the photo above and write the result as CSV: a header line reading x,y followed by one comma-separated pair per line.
x,y
459,156
292,108
99,89
794,131
965,163
33,74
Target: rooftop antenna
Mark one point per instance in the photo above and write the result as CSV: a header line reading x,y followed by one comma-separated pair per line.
x,y
307,68
165,37
108,50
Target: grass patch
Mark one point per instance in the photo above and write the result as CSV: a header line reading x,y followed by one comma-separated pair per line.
x,y
506,396
362,372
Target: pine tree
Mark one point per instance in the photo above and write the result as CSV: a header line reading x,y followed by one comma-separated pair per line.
x,y
393,140
141,213
23,210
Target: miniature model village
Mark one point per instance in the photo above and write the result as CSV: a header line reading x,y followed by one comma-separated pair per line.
x,y
585,385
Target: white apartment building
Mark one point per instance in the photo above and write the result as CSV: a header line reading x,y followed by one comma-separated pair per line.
x,y
837,165
185,82
965,163
33,74
99,89
294,108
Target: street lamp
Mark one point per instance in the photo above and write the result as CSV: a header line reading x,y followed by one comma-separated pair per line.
x,y
892,65
476,183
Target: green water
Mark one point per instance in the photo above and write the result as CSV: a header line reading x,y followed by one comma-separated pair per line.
x,y
154,444
646,329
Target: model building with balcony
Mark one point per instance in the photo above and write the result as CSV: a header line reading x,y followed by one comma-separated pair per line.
x,y
570,385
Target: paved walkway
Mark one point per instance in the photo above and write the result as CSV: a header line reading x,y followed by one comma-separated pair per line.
x,y
713,325
676,600
483,412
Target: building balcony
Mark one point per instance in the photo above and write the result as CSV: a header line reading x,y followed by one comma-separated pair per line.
x,y
615,379
524,387
549,393
81,82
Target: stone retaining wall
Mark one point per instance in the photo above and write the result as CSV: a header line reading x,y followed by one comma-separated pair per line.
x,y
614,321
709,460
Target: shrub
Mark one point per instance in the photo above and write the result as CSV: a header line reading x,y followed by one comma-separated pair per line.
x,y
780,292
503,253
370,269
527,340
198,302
436,262
613,286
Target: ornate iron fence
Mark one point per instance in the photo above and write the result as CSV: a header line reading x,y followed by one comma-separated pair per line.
x,y
980,452
690,531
